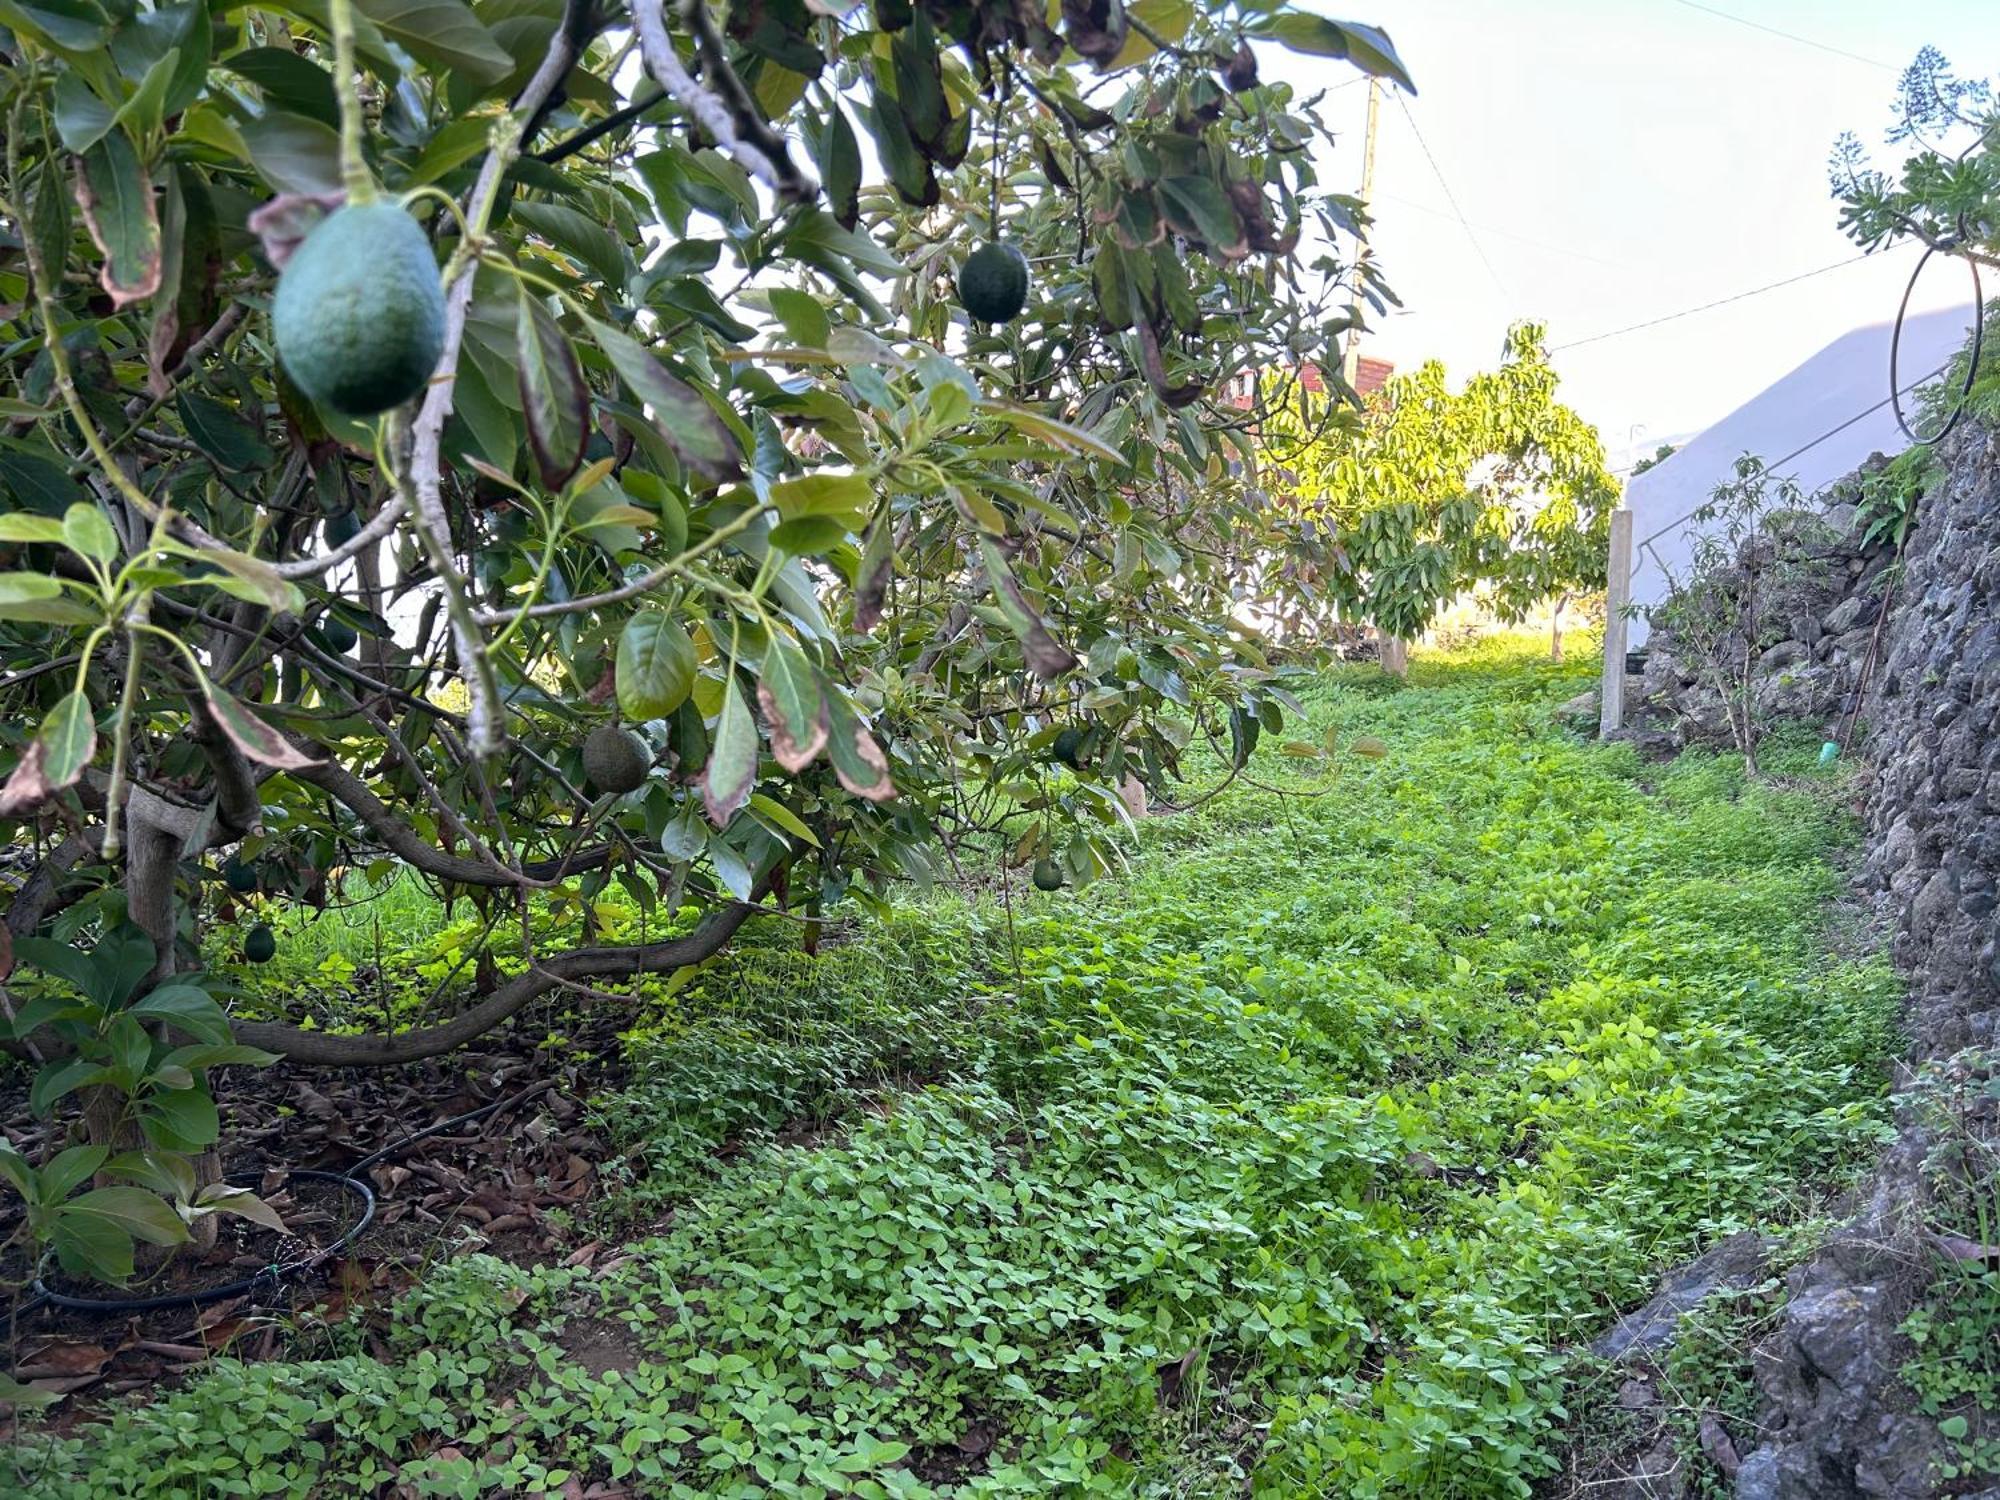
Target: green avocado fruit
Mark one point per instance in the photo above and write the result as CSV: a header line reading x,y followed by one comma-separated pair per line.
x,y
1048,875
614,759
340,637
1068,747
259,946
993,283
239,877
343,528
359,312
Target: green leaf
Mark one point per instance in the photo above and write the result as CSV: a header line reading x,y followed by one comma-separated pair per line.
x,y
251,578
732,761
808,536
140,1214
78,25
144,111
20,1176
443,34
168,1173
846,498
771,811
840,168
655,666
451,147
116,197
37,483
290,82
804,318
251,734
181,1119
69,1170
582,238
17,1395
788,692
554,398
81,117
224,1199
192,1010
88,534
217,1056
295,154
1049,429
1954,1427
1368,48
223,434
18,589
19,526
693,428
57,1080
92,1247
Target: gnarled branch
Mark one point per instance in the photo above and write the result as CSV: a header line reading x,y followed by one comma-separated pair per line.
x,y
319,1049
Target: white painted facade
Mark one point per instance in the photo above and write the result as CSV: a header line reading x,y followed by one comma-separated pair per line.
x,y
1821,420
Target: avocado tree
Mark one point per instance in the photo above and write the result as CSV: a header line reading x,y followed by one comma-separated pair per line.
x,y
734,454
1427,493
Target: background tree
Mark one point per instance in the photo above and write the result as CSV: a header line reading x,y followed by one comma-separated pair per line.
x,y
1428,493
710,454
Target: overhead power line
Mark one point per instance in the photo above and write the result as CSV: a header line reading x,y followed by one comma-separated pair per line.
x,y
1688,312
1790,36
1451,197
1803,448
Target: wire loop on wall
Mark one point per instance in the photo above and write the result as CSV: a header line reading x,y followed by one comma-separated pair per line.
x,y
1971,366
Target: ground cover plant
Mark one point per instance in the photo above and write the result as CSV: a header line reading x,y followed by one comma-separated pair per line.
x,y
1302,1153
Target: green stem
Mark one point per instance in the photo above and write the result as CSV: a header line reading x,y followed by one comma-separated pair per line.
x,y
354,175
121,741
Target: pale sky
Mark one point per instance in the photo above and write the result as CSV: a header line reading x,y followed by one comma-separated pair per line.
x,y
1620,160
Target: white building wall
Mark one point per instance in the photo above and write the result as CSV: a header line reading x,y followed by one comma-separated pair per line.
x,y
1829,415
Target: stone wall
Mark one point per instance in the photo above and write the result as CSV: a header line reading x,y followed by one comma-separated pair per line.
x,y
1821,591
1909,651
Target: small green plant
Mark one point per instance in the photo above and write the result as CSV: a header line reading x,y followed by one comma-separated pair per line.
x,y
1955,1328
149,1108
1887,506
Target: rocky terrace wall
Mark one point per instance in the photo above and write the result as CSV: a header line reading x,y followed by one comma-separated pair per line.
x,y
1837,1422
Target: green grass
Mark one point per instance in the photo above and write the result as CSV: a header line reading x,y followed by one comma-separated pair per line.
x,y
1300,1157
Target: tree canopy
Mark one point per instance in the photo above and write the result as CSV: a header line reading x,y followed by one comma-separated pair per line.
x,y
1427,492
711,452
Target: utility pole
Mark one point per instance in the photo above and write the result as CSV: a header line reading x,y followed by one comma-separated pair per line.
x,y
1395,651
1350,362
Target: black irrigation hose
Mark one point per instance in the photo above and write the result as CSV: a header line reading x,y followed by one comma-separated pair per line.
x,y
269,1276
1972,364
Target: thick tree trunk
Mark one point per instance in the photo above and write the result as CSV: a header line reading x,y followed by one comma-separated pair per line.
x,y
1556,629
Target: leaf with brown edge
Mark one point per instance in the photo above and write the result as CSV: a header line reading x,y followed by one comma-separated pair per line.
x,y
283,223
857,759
54,758
250,734
116,197
554,398
1046,656
732,760
871,580
794,708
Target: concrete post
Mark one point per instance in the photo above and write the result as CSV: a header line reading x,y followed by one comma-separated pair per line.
x,y
1617,594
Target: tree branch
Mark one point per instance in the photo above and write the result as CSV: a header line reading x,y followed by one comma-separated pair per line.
x,y
319,1049
732,120
401,840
